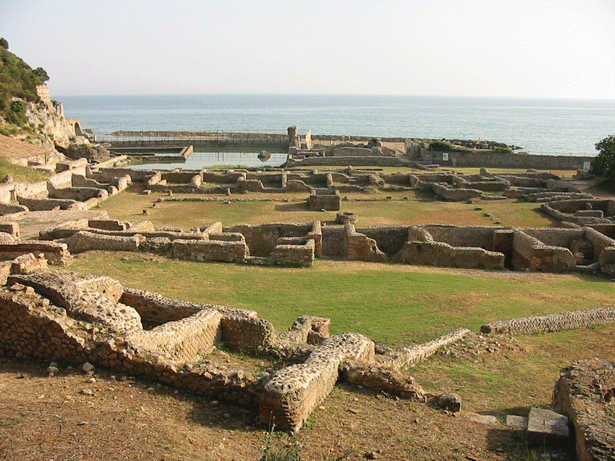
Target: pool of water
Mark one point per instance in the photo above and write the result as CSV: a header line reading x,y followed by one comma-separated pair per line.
x,y
200,160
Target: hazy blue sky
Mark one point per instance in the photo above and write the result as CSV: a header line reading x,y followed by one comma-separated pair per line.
x,y
518,48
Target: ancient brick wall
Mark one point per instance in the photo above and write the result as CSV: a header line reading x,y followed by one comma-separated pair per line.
x,y
390,239
333,241
359,247
321,199
293,251
455,195
291,394
184,339
462,236
34,204
444,255
209,250
262,238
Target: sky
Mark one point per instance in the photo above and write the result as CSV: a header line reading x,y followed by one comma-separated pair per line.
x,y
494,48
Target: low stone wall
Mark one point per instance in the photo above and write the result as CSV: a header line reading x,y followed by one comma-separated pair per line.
x,y
584,392
44,204
476,159
56,253
411,355
455,195
531,253
320,199
156,309
263,238
359,247
183,339
82,302
11,228
31,327
291,394
444,255
462,236
389,239
210,250
83,241
348,161
293,251
552,322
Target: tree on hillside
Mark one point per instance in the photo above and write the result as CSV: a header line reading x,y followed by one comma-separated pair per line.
x,y
604,163
41,73
4,43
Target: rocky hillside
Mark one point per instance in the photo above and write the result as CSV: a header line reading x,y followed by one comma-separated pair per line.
x,y
28,113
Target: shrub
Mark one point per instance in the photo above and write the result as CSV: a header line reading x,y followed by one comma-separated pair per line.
x,y
604,163
18,106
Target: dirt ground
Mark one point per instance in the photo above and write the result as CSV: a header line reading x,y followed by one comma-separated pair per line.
x,y
76,416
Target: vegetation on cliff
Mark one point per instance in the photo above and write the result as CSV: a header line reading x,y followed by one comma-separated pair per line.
x,y
17,80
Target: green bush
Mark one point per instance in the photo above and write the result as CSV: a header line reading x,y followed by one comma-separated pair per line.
x,y
443,146
17,80
18,106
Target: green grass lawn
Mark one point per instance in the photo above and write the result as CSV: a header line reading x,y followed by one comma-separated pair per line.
x,y
389,303
291,207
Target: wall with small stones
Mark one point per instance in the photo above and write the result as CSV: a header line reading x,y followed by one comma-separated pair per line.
x,y
347,161
291,394
455,195
44,204
359,247
552,322
411,355
210,250
390,239
262,238
584,392
324,200
444,255
79,194
293,251
462,236
182,340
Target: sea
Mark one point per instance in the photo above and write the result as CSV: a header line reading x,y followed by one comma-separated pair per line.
x,y
537,126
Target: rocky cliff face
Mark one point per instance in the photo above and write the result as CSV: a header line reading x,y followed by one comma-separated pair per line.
x,y
54,129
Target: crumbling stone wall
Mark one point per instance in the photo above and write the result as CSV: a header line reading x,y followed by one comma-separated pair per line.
x,y
455,195
210,250
411,355
585,392
184,339
293,251
54,252
552,322
291,394
359,247
263,238
321,199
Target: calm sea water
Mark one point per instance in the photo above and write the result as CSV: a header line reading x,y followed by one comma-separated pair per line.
x,y
538,126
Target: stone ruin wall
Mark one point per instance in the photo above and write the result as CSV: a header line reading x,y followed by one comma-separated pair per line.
x,y
585,392
36,320
552,322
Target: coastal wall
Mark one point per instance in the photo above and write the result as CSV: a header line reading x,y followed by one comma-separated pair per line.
x,y
502,160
